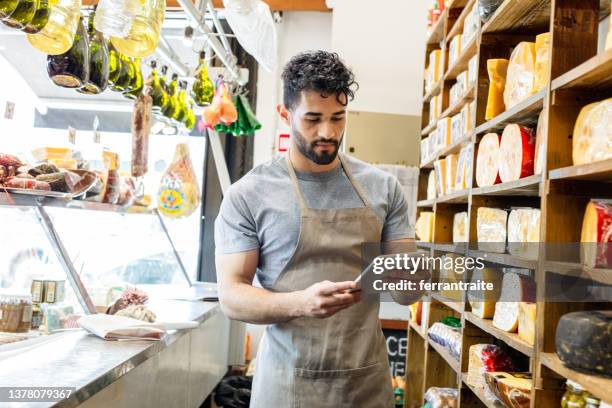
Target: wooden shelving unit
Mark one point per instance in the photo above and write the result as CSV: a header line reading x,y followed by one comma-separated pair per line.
x,y
579,76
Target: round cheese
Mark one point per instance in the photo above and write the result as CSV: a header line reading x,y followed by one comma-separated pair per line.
x,y
516,151
487,160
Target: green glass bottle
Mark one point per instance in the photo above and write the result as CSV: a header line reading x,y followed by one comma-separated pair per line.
x,y
71,69
40,19
190,118
202,90
7,7
126,72
171,109
136,83
155,89
22,15
181,113
114,65
98,60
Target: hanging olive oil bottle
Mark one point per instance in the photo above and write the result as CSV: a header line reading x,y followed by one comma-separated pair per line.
x,y
40,19
182,102
202,90
98,60
71,69
22,15
155,89
136,83
126,72
171,109
7,7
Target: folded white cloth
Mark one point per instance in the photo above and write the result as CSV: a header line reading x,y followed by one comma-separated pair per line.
x,y
111,327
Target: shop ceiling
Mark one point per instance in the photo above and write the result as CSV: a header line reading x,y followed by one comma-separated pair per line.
x,y
275,5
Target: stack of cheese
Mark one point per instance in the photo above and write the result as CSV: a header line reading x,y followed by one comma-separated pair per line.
x,y
513,389
424,226
460,227
485,358
592,138
454,50
434,70
431,185
596,236
483,302
491,229
435,108
516,289
524,232
464,168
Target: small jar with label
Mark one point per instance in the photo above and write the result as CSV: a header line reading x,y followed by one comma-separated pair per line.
x,y
37,316
592,402
574,397
15,312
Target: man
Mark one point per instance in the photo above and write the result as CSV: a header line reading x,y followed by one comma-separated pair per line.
x,y
298,222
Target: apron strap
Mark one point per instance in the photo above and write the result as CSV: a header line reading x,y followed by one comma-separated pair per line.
x,y
358,188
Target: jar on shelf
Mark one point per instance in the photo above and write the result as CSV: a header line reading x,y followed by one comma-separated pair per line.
x,y
592,402
15,312
37,316
574,396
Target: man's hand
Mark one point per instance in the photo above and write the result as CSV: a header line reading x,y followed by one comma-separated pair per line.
x,y
324,299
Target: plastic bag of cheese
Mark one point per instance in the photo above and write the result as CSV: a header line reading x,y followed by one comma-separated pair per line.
x,y
513,389
524,233
516,288
596,235
592,139
483,302
491,229
521,74
516,153
487,160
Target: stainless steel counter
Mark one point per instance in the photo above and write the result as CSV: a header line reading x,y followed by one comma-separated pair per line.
x,y
77,359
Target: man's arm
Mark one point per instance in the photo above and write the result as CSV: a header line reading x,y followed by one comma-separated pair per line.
x,y
240,300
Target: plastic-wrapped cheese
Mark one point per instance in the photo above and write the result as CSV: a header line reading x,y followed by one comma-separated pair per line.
x,y
424,226
435,64
460,227
472,71
497,69
491,229
451,172
516,288
440,169
542,50
516,151
488,160
483,302
524,232
513,389
465,121
431,185
424,143
540,146
456,128
449,275
526,321
454,50
521,74
464,167
596,236
592,140
486,358
584,341
416,310
443,133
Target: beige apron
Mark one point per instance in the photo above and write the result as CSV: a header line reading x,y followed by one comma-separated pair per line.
x,y
340,361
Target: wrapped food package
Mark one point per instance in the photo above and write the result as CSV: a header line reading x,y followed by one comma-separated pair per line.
x,y
435,65
179,194
542,60
437,397
454,50
52,153
443,133
424,226
431,185
451,173
513,389
596,235
486,8
497,70
584,341
462,83
449,275
433,109
540,147
521,74
516,288
517,150
592,139
524,233
465,121
472,71
423,151
488,160
460,227
464,167
447,336
111,160
63,181
491,229
483,302
440,169
526,322
485,358
141,127
416,311
456,128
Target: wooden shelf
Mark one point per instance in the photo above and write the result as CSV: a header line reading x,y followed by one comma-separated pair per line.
x,y
457,197
480,394
458,25
429,128
435,89
457,306
425,203
511,339
598,386
464,59
436,34
418,329
446,355
525,113
596,171
599,275
456,147
429,163
457,106
520,15
424,244
528,186
504,259
595,74
454,248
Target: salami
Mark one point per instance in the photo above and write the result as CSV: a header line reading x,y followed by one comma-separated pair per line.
x,y
141,127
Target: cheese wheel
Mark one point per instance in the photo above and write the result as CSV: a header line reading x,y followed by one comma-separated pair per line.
x,y
456,128
491,229
440,169
487,160
524,233
497,69
451,172
596,236
584,341
516,153
540,147
443,134
526,322
450,274
542,61
431,185
513,389
460,227
592,140
424,226
483,302
516,288
416,310
521,74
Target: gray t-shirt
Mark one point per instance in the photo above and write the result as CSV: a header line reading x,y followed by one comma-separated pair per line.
x,y
261,210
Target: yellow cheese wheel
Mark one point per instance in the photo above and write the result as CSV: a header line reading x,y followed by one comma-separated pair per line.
x,y
460,227
488,160
424,226
491,229
451,172
592,139
521,74
497,69
526,321
542,49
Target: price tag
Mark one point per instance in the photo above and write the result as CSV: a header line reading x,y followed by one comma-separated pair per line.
x,y
96,133
71,135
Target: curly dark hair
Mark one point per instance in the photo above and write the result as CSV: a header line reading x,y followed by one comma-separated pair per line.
x,y
319,71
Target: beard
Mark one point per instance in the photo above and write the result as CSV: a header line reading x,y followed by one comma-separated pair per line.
x,y
307,149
